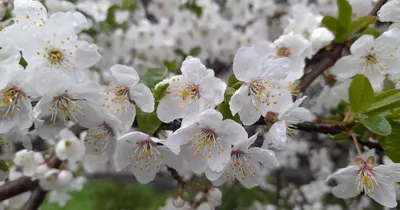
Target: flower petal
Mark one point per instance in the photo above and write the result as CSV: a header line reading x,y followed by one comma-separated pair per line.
x,y
362,45
143,97
126,76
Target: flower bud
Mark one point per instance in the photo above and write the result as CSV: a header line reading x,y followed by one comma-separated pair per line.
x,y
64,177
214,196
178,202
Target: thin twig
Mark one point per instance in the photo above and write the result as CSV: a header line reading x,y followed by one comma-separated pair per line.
x,y
353,136
377,7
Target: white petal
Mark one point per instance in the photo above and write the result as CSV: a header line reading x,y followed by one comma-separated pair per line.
x,y
145,175
170,159
248,115
214,175
347,66
212,90
126,76
143,97
246,64
265,156
238,99
346,178
231,132
126,144
180,137
244,145
362,45
197,164
168,109
385,192
276,137
193,69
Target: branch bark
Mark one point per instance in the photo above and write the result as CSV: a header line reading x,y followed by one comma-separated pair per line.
x,y
36,199
16,187
377,7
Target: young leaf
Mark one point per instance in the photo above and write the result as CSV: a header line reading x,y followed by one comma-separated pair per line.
x,y
391,144
360,23
338,137
160,92
129,4
228,94
377,124
232,81
330,23
226,112
372,31
154,75
386,100
147,122
3,166
345,13
195,51
361,94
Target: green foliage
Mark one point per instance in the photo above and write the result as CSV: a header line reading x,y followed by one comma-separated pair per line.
x,y
384,101
360,23
154,75
172,67
359,129
338,137
226,112
233,81
104,195
371,31
160,92
388,84
110,24
195,51
192,6
361,94
343,27
148,122
391,144
3,166
129,5
377,124
228,94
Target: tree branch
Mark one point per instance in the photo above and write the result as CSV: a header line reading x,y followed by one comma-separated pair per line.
x,y
377,7
36,199
327,128
176,176
16,187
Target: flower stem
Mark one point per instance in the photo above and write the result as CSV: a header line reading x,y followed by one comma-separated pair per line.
x,y
355,142
236,84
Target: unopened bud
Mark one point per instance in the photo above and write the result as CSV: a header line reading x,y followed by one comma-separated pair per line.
x,y
214,196
178,202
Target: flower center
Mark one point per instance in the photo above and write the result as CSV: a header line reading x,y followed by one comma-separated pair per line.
x,y
282,52
206,143
98,138
366,181
184,92
121,97
240,166
371,63
55,56
146,155
64,108
260,89
11,100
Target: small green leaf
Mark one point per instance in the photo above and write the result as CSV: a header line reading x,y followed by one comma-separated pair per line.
x,y
195,51
388,84
372,31
359,129
226,112
345,13
338,137
147,122
228,94
129,5
365,137
160,92
377,124
330,23
389,99
233,81
391,144
361,94
360,23
3,166
154,75
171,66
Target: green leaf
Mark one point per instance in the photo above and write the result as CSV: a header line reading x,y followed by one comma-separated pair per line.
x,y
147,122
365,137
338,137
160,92
388,84
345,13
3,166
171,66
226,112
360,23
389,99
330,23
377,124
361,94
154,75
233,81
372,31
359,129
195,51
391,144
228,94
129,5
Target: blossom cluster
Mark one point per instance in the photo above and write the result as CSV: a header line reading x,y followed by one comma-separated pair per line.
x,y
50,91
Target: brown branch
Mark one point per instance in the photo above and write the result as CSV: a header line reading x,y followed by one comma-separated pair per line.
x,y
317,69
16,187
175,175
327,128
36,199
377,7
